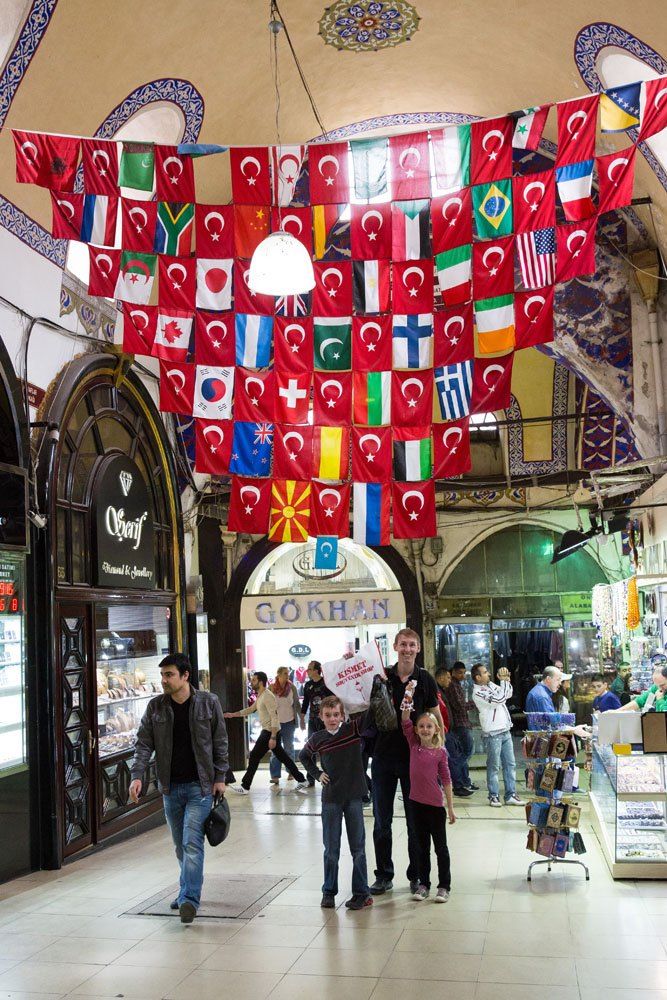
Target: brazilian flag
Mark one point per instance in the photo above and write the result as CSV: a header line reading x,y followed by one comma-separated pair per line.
x,y
492,204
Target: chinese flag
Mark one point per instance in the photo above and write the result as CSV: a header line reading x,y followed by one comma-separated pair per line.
x,y
246,301
410,166
47,160
371,454
411,398
254,394
577,123
293,451
292,391
139,328
491,384
534,201
329,510
332,295
213,446
289,512
174,175
370,232
251,179
178,282
493,268
104,268
293,344
332,398
575,249
298,222
138,220
616,175
451,218
413,507
66,215
371,343
491,150
654,112
412,286
251,226
249,504
534,318
214,231
215,338
100,166
451,448
453,334
329,173
177,387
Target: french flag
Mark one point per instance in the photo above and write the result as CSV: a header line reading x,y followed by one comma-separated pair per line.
x,y
370,523
98,225
574,182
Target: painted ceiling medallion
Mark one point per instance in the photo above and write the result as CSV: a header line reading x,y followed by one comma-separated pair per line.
x,y
368,26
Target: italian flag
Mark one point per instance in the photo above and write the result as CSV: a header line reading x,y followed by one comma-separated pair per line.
x,y
412,454
494,320
451,156
372,398
454,269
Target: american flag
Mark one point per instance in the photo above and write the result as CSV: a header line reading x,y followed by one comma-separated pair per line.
x,y
537,257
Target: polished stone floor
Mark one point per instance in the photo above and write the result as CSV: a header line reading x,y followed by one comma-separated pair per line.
x,y
499,938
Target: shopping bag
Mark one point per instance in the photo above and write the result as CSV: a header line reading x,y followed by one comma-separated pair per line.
x,y
351,678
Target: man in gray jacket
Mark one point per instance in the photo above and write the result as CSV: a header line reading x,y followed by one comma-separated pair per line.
x,y
185,729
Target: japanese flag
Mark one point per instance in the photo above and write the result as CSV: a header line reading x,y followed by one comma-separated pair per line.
x,y
214,284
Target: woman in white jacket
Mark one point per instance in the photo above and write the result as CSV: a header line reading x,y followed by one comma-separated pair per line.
x,y
491,703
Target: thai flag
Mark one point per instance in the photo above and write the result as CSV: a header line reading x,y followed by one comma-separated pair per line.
x,y
574,182
370,523
98,225
253,340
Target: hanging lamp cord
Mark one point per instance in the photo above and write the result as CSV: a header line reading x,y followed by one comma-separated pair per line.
x,y
276,18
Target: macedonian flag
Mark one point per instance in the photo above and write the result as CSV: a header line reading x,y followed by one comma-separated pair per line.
x,y
290,511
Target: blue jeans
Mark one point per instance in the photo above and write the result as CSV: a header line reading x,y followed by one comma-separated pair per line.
x,y
386,774
500,751
287,730
333,814
186,810
459,743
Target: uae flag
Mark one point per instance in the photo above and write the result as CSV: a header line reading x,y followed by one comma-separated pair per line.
x,y
371,286
370,519
454,269
372,398
331,452
413,460
410,239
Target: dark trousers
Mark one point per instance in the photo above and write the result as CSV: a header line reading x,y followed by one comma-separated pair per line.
x,y
333,814
431,825
260,749
386,774
314,726
459,743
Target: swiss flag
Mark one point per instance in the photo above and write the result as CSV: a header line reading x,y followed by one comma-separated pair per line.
x,y
371,454
251,179
329,173
178,282
493,268
534,201
100,166
491,150
245,300
47,160
214,283
293,451
213,446
138,219
332,399
451,448
249,505
453,335
298,222
254,395
174,175
451,218
411,398
491,384
292,391
139,328
577,123
575,249
177,387
214,230
410,166
371,343
329,510
370,232
293,345
654,111
534,318
215,339
104,268
616,175
332,295
413,508
66,215
412,286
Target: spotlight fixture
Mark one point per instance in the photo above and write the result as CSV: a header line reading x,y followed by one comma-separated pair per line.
x,y
571,542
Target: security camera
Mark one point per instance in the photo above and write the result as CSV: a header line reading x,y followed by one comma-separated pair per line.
x,y
39,520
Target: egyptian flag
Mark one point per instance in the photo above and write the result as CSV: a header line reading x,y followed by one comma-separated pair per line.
x,y
451,449
370,232
413,458
213,446
329,230
371,286
410,238
47,160
370,516
329,510
413,506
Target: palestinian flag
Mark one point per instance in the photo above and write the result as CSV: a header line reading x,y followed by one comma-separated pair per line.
x,y
454,269
137,166
371,286
413,458
331,452
173,231
494,320
410,237
136,277
372,398
333,343
290,511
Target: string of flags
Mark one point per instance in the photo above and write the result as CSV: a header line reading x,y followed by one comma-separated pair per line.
x,y
436,258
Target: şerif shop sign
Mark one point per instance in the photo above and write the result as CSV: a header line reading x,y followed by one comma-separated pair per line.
x,y
125,553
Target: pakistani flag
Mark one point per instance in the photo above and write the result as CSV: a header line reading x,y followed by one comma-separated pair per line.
x,y
137,166
372,398
412,459
451,157
454,269
369,159
333,343
492,204
494,320
135,277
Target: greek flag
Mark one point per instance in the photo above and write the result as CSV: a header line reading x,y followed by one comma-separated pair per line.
x,y
453,384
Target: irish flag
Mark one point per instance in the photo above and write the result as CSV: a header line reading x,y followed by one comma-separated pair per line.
x,y
372,398
454,268
494,320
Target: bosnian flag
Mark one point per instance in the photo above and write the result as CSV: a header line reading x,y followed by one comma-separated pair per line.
x,y
253,340
574,182
370,521
98,224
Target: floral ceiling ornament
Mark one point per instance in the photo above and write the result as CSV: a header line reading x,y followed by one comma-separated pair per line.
x,y
368,26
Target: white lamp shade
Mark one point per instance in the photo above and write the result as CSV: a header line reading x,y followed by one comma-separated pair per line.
x,y
281,266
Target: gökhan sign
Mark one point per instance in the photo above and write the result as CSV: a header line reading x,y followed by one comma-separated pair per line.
x,y
125,555
321,610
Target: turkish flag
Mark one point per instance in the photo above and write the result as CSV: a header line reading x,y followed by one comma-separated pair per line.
x,y
178,282
413,508
329,510
332,399
412,286
491,150
293,345
138,219
174,175
177,387
293,451
577,124
534,318
534,201
370,232
298,222
214,230
47,160
453,334
451,218
451,448
249,505
254,394
575,249
410,166
66,215
100,166
329,173
213,446
245,300
251,179
215,337
103,271
371,454
139,328
411,398
616,175
371,343
654,111
332,295
493,268
491,384
292,390
251,226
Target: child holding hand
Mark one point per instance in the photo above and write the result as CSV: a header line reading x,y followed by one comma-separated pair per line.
x,y
429,776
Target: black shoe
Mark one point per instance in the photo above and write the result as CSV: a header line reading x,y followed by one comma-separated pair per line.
x,y
472,787
414,884
188,913
311,783
463,792
380,886
359,902
174,904
328,902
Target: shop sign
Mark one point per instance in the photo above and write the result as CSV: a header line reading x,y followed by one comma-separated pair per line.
x,y
577,607
464,607
300,650
322,610
125,554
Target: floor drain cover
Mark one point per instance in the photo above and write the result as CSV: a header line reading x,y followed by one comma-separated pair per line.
x,y
231,896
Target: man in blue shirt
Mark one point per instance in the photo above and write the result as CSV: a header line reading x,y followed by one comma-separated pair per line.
x,y
540,697
605,700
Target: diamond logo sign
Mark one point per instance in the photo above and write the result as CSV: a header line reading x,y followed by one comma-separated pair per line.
x,y
125,482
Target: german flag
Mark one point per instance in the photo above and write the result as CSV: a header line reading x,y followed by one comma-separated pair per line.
x,y
290,511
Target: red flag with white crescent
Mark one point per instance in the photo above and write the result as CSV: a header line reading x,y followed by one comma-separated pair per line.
x,y
138,221
293,345
616,176
371,454
451,448
534,201
178,282
654,107
286,163
47,160
412,398
215,338
174,175
103,272
332,295
245,300
100,166
213,446
298,222
577,124
534,317
332,399
66,215
493,268
453,334
371,343
139,328
329,510
293,451
410,166
254,394
177,387
451,218
491,150
370,232
412,286
292,397
329,173
575,249
413,509
214,230
249,504
251,177
491,384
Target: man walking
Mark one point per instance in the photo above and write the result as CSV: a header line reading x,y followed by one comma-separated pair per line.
x,y
460,741
185,729
314,690
494,718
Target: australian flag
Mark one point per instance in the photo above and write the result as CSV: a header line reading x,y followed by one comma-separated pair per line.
x,y
293,305
251,449
453,384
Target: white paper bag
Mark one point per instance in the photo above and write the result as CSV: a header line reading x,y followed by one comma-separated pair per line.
x,y
351,679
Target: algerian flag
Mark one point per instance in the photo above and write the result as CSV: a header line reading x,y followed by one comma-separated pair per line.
x,y
494,319
451,157
137,166
369,158
454,268
135,277
333,343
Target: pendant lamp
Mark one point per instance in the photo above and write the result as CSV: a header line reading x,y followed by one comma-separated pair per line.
x,y
281,266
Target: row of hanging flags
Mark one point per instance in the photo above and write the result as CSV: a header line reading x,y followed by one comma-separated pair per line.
x,y
433,262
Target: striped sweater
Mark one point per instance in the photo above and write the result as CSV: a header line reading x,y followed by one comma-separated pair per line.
x,y
340,756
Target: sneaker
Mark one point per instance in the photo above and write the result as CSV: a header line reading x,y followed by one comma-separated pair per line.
x,y
441,896
359,902
188,913
301,786
464,793
414,884
240,790
290,777
420,893
274,781
328,902
494,801
174,904
472,787
380,886
514,800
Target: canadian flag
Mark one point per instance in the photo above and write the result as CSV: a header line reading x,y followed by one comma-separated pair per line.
x,y
172,340
214,284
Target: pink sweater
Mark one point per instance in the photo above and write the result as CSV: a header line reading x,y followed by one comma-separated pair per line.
x,y
426,766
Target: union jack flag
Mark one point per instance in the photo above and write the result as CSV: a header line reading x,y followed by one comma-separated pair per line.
x,y
293,305
263,433
537,257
